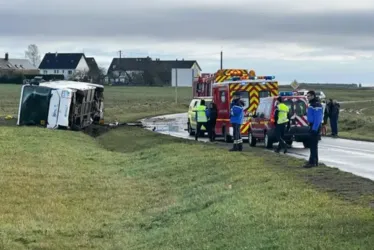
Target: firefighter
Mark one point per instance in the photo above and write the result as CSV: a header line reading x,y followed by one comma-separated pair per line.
x,y
282,118
201,118
334,117
315,116
236,120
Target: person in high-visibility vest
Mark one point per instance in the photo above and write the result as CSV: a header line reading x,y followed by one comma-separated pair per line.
x,y
201,118
282,118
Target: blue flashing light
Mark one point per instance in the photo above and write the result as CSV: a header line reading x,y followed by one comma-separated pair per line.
x,y
235,78
286,93
262,78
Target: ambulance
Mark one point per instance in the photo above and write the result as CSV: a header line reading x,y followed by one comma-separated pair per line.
x,y
250,87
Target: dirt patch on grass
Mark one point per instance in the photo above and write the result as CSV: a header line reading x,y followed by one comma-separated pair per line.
x,y
8,122
344,185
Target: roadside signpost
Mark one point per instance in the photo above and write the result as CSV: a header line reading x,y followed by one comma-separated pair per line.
x,y
295,85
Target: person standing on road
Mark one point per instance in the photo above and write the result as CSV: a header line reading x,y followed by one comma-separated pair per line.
x,y
315,115
325,117
281,117
236,120
212,119
201,118
334,117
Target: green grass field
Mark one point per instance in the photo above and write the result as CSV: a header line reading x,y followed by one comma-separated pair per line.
x,y
134,189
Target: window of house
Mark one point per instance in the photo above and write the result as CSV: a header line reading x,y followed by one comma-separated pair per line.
x,y
45,72
70,72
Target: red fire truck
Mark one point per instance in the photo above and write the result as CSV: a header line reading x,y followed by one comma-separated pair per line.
x,y
251,88
202,85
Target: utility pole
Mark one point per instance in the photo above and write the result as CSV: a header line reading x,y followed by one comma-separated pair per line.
x,y
176,85
221,59
120,54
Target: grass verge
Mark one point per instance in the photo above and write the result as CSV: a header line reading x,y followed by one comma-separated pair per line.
x,y
133,189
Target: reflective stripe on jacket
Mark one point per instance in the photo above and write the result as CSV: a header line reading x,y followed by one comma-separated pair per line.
x,y
282,113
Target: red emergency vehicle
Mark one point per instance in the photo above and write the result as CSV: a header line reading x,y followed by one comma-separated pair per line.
x,y
222,86
251,88
262,124
202,85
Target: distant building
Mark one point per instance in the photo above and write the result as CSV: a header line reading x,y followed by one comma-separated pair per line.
x,y
94,72
67,64
10,65
145,71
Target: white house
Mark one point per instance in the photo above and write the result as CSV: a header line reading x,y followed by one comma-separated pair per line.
x,y
66,64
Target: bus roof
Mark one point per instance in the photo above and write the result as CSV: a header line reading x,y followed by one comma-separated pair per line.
x,y
71,85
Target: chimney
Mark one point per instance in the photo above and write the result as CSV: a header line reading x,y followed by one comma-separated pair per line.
x,y
6,56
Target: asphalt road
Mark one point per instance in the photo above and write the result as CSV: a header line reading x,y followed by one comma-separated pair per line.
x,y
356,157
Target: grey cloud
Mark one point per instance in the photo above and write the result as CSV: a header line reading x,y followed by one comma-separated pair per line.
x,y
349,30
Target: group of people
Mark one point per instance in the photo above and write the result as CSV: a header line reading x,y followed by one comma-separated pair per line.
x,y
331,111
207,117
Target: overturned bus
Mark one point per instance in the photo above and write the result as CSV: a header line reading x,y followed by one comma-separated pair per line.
x,y
61,104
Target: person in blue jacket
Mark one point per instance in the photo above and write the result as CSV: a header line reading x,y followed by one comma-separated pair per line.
x,y
236,120
315,119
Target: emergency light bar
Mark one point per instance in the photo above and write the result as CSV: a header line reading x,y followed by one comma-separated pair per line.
x,y
262,78
286,93
235,78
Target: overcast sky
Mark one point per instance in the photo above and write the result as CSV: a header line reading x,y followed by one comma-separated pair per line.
x,y
307,40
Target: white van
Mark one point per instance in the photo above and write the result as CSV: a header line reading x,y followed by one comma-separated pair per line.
x,y
61,104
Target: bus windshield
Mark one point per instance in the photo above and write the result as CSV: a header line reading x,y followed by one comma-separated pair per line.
x,y
34,105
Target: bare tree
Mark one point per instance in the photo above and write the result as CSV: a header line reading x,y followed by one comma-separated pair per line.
x,y
32,53
79,75
102,71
